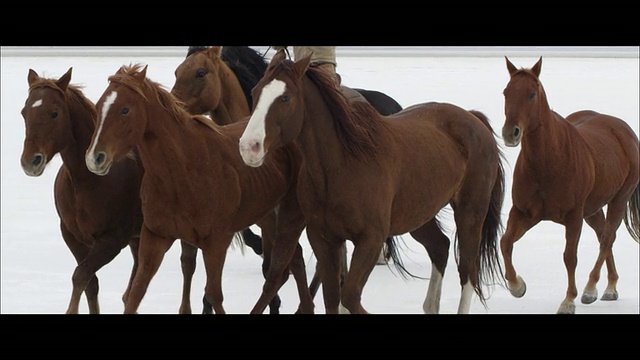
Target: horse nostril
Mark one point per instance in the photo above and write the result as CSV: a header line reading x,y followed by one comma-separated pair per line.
x,y
36,160
516,132
100,158
255,147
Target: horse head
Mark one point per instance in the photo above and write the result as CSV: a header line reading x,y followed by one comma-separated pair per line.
x,y
523,96
47,121
278,113
122,117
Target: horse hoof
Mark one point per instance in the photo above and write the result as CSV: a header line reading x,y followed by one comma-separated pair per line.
x,y
567,308
518,288
589,297
609,295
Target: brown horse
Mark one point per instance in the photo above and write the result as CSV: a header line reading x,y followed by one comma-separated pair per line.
x,y
217,81
99,215
195,185
366,177
568,170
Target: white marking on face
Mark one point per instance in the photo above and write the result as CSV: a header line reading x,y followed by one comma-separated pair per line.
x,y
252,140
36,103
108,101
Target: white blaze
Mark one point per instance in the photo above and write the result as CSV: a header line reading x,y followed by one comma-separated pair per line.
x,y
36,103
109,100
252,140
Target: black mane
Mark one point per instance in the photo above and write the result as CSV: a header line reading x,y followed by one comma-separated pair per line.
x,y
247,63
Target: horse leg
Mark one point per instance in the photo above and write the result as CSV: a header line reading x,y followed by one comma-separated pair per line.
x,y
268,227
315,281
300,276
437,245
363,260
150,255
590,292
214,253
517,225
188,266
253,241
134,246
615,214
327,250
573,229
79,251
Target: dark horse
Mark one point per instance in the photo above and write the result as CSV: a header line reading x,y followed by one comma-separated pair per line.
x,y
99,215
195,186
206,84
367,177
568,170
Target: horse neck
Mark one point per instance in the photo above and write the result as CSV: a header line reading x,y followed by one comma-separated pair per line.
x,y
232,96
82,127
164,148
323,151
549,134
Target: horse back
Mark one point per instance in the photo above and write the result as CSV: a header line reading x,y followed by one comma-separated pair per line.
x,y
613,146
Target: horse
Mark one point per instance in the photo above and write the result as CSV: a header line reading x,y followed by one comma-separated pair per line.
x,y
366,177
217,81
567,171
206,84
95,224
195,186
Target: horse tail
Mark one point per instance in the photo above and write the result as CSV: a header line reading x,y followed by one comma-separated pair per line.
x,y
394,254
632,215
490,269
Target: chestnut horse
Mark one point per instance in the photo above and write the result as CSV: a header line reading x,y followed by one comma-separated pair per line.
x,y
568,170
99,215
195,185
212,80
367,177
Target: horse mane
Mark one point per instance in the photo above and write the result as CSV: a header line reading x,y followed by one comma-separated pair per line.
x,y
73,93
162,95
246,63
357,124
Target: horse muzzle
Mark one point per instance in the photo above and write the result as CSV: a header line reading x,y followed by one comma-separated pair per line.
x,y
511,135
34,166
98,163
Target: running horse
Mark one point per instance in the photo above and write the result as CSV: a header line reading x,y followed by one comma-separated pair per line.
x,y
99,215
568,170
217,81
196,186
367,177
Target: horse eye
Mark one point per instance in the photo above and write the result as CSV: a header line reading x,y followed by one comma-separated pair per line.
x,y
54,114
285,98
201,73
532,95
124,111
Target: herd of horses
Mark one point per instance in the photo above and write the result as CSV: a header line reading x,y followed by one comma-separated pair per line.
x,y
240,140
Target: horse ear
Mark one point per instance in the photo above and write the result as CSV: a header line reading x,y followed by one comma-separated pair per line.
x,y
64,80
32,77
142,74
215,51
512,68
302,65
537,67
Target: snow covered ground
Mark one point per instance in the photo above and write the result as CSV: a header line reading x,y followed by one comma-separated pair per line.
x,y
37,266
